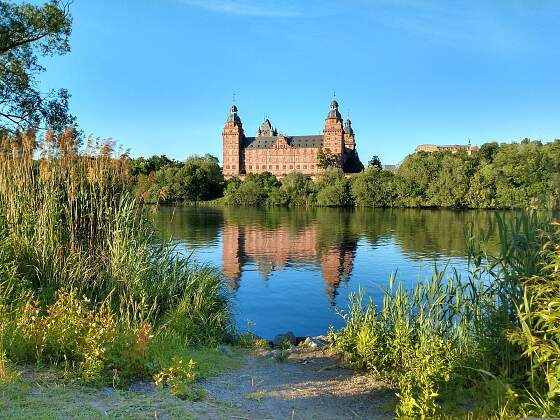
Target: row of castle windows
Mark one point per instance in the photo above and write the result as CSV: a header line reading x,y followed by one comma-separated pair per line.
x,y
283,167
276,159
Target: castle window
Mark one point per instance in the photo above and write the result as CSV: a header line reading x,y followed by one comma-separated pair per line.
x,y
283,166
269,166
291,166
304,166
297,166
250,167
311,166
227,166
277,166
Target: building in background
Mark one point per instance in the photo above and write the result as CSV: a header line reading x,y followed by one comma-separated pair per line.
x,y
453,148
280,154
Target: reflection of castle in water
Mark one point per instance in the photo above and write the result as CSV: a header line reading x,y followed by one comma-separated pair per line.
x,y
271,250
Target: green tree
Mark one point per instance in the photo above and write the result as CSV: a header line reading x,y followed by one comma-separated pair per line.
x,y
296,190
373,188
145,166
198,178
265,180
451,182
375,162
488,151
333,188
28,32
246,193
326,158
352,163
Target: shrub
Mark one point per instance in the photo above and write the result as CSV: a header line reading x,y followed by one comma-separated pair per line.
x,y
455,336
68,331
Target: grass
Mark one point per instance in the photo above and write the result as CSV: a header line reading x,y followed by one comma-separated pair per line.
x,y
23,400
85,286
485,346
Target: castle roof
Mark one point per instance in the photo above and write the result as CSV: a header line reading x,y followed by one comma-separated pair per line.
x,y
268,142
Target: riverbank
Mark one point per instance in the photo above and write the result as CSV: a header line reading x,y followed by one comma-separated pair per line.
x,y
307,384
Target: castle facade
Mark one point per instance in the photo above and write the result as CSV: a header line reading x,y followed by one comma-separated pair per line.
x,y
279,154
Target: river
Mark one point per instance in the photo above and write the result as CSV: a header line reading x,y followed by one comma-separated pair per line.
x,y
293,269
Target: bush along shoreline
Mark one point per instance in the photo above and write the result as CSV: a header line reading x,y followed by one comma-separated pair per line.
x,y
85,286
498,176
484,346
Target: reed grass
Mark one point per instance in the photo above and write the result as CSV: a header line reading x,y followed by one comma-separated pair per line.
x,y
489,340
78,254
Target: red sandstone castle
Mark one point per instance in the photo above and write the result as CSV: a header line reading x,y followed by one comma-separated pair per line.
x,y
279,154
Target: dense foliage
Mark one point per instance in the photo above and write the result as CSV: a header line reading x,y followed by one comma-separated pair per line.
x,y
485,346
162,180
512,175
27,33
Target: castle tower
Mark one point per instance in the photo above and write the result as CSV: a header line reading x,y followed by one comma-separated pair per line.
x,y
232,144
349,142
333,133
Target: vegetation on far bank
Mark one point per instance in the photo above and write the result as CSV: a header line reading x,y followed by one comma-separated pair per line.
x,y
498,176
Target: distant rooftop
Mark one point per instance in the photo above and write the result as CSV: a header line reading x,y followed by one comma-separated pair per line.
x,y
446,148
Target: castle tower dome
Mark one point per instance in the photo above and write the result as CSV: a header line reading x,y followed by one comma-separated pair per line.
x,y
233,117
333,113
348,127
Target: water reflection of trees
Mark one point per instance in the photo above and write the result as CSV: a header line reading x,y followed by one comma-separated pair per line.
x,y
196,227
272,239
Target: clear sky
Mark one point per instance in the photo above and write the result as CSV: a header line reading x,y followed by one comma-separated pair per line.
x,y
158,76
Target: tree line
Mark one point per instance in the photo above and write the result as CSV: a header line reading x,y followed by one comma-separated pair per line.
x,y
507,175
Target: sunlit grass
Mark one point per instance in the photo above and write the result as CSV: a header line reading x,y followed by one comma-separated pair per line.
x,y
85,285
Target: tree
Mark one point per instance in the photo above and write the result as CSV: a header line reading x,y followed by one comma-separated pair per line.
x,y
372,188
28,32
488,151
143,166
297,190
375,162
326,158
352,163
333,188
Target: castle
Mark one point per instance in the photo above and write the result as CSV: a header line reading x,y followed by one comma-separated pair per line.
x,y
279,154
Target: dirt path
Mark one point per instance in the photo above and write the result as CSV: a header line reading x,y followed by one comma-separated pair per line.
x,y
309,384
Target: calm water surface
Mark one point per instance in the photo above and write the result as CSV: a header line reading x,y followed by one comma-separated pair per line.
x,y
292,269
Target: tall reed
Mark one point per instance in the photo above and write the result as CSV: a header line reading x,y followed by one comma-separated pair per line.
x,y
451,333
68,224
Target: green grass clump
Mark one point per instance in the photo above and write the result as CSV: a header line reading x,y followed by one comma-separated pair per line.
x,y
84,283
485,346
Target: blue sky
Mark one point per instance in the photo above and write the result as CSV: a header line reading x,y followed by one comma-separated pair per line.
x,y
158,76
